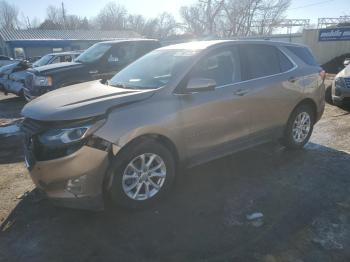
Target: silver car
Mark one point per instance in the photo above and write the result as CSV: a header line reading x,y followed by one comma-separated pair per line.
x,y
341,87
177,106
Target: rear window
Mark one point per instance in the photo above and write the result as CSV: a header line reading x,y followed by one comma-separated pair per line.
x,y
304,54
285,63
259,61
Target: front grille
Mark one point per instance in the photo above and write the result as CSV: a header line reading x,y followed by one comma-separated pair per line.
x,y
347,82
31,127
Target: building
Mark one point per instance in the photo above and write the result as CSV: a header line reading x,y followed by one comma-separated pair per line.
x,y
36,42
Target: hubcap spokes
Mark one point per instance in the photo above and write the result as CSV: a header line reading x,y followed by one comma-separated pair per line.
x,y
144,176
301,127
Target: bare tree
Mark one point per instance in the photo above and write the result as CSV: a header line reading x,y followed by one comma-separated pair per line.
x,y
112,17
57,17
194,19
29,23
271,14
8,15
202,17
234,17
135,23
166,26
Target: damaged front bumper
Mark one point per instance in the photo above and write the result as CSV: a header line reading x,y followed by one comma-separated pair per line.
x,y
73,181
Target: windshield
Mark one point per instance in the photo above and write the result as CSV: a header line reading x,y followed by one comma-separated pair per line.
x,y
43,61
154,70
93,53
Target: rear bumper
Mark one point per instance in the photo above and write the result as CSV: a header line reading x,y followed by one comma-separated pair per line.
x,y
72,181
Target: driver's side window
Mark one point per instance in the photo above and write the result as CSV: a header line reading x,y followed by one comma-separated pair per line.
x,y
122,54
221,65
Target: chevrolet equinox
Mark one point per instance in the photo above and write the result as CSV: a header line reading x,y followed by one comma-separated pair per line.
x,y
180,105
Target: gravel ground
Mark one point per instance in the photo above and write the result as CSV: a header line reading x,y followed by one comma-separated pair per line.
x,y
300,198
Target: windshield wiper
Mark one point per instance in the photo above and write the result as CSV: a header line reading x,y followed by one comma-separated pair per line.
x,y
120,85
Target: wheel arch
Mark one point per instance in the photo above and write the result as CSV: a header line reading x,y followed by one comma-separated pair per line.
x,y
308,102
162,139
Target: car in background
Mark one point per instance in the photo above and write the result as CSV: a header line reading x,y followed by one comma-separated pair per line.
x,y
341,87
55,58
14,81
7,70
100,61
177,106
5,60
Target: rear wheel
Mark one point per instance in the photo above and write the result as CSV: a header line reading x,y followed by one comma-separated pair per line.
x,y
299,127
141,175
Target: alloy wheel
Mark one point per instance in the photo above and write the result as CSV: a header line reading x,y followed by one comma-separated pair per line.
x,y
144,176
301,127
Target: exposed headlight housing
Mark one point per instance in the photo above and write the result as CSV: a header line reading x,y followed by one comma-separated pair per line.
x,y
58,137
60,142
42,80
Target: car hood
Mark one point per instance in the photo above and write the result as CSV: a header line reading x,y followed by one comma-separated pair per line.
x,y
57,67
80,101
20,75
7,69
345,72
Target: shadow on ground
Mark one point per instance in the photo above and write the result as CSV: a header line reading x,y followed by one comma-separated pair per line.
x,y
303,195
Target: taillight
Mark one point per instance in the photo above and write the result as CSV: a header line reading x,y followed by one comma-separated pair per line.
x,y
323,74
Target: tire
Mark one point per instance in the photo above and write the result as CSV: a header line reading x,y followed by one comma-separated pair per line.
x,y
328,95
120,167
290,138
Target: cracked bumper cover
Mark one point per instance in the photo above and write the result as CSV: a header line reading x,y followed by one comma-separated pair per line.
x,y
75,180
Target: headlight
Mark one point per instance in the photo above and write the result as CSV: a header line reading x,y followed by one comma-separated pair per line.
x,y
340,82
64,136
57,137
42,80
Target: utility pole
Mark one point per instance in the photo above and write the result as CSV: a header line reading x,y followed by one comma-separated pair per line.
x,y
63,15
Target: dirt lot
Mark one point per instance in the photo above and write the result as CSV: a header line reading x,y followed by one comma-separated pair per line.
x,y
304,197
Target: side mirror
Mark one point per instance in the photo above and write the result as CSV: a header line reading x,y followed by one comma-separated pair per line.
x,y
200,85
346,62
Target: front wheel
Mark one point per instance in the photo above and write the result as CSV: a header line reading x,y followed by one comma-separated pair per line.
x,y
299,127
141,175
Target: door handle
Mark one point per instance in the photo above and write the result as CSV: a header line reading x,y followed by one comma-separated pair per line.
x,y
240,92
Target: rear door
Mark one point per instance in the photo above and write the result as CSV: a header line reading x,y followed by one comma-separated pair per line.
x,y
268,75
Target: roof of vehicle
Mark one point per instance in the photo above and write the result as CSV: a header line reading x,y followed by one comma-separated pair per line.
x,y
200,45
66,53
129,40
43,34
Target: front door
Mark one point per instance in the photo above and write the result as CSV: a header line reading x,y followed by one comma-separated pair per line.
x,y
214,120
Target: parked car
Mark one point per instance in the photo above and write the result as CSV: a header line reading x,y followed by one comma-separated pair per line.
x,y
101,61
17,79
55,58
177,106
5,60
341,87
7,70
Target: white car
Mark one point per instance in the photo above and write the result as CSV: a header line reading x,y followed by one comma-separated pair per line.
x,y
341,87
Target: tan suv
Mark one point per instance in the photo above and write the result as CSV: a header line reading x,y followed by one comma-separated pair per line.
x,y
179,105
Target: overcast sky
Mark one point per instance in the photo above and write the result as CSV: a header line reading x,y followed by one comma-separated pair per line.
x,y
299,9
